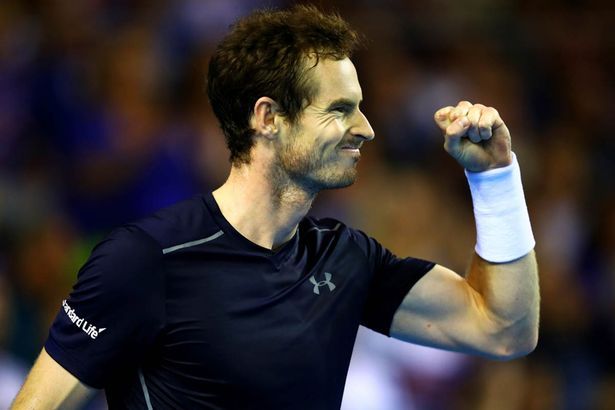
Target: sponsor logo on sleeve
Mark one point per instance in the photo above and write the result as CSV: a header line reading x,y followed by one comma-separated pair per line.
x,y
88,328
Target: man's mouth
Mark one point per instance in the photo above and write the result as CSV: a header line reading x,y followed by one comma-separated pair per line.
x,y
351,147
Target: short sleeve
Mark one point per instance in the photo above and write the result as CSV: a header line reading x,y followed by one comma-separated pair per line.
x,y
392,279
115,310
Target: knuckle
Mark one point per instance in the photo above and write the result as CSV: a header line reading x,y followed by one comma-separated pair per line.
x,y
494,111
486,121
474,113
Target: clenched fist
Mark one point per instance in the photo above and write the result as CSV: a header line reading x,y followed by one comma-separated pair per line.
x,y
475,136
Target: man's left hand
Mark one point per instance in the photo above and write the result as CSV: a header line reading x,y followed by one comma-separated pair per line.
x,y
475,136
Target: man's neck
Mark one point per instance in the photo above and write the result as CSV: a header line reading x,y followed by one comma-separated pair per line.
x,y
261,208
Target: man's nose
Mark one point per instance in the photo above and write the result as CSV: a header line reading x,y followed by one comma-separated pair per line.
x,y
362,128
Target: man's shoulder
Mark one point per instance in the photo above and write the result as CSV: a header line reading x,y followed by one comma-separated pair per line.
x,y
181,222
139,246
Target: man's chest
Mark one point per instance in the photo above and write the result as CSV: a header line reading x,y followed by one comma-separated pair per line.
x,y
243,320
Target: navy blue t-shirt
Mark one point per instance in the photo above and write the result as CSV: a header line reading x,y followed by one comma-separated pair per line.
x,y
180,311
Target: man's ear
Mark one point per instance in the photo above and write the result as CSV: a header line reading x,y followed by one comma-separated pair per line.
x,y
263,119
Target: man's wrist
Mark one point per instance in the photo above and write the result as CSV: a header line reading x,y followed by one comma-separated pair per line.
x,y
503,229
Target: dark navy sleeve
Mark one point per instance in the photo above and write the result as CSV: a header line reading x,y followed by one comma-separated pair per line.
x,y
114,311
392,279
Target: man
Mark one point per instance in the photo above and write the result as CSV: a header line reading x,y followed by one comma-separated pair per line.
x,y
236,299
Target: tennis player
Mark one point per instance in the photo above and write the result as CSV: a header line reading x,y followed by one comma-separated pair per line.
x,y
234,299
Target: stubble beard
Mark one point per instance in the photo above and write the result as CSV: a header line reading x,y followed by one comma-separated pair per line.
x,y
306,170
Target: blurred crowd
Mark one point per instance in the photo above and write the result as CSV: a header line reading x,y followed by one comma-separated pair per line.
x,y
104,119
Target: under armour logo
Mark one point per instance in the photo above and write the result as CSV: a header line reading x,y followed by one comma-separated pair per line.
x,y
326,282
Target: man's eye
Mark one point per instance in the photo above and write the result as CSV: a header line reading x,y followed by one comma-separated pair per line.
x,y
343,109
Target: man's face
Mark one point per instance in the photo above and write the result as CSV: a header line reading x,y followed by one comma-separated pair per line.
x,y
321,150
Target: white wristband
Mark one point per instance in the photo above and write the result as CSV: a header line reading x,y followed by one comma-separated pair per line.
x,y
503,230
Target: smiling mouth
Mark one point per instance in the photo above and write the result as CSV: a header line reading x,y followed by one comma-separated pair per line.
x,y
351,152
351,147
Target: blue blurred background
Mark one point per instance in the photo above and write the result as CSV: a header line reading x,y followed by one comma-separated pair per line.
x,y
104,118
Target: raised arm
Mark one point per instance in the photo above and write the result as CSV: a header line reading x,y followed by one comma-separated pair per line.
x,y
50,386
493,310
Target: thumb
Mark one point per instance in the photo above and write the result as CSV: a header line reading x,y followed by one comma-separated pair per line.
x,y
453,134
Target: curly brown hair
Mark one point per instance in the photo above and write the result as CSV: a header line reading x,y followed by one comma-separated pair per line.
x,y
265,54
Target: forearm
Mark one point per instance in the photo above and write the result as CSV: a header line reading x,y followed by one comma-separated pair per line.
x,y
509,295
